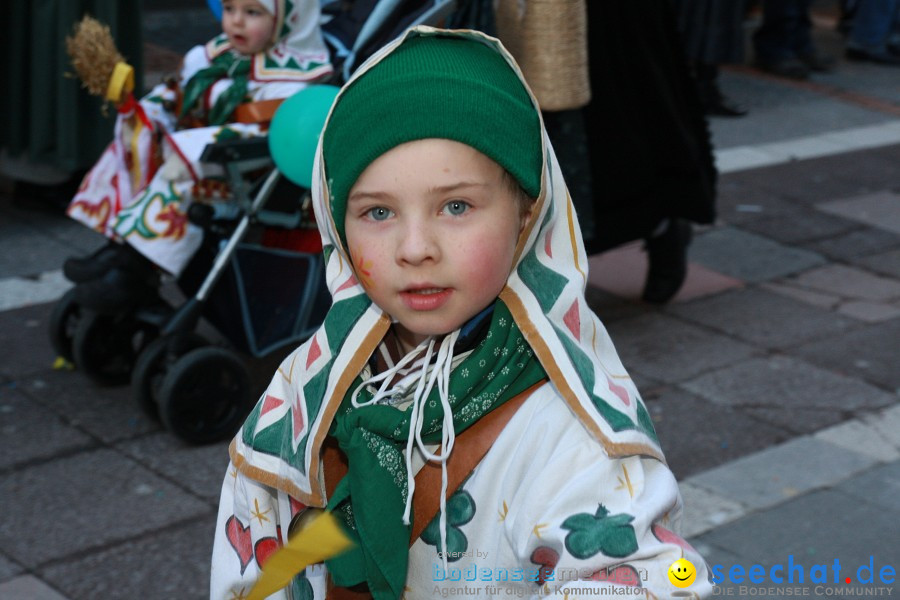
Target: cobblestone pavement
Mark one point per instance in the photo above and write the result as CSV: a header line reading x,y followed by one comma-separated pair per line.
x,y
773,378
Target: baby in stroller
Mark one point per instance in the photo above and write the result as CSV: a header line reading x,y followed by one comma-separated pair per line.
x,y
139,191
207,207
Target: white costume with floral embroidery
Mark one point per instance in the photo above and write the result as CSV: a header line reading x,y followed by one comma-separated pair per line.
x,y
543,469
140,188
574,488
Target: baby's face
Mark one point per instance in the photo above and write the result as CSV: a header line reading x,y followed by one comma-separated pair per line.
x,y
432,227
248,25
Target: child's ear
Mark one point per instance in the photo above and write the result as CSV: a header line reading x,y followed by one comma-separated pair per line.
x,y
525,216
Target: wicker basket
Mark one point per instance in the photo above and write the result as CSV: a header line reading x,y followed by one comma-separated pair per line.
x,y
548,38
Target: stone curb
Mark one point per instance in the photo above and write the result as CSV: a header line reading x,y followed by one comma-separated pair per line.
x,y
768,478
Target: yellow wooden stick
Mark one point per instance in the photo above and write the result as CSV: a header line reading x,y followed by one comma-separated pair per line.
x,y
321,539
121,82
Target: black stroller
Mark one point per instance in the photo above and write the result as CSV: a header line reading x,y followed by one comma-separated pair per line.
x,y
202,391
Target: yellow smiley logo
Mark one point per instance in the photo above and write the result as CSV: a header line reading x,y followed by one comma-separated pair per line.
x,y
682,573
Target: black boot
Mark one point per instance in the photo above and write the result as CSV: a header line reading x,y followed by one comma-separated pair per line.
x,y
120,288
667,257
711,97
94,266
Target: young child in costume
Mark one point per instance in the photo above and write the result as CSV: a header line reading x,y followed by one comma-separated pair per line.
x,y
139,191
458,277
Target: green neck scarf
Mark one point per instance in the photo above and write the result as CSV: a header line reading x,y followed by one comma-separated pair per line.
x,y
371,498
227,64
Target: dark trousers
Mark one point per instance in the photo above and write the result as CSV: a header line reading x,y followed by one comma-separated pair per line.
x,y
785,31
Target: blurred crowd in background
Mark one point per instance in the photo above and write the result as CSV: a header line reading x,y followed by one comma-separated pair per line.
x,y
639,81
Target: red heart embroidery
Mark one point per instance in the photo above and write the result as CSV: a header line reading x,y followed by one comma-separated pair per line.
x,y
239,538
547,558
670,537
296,506
622,575
264,549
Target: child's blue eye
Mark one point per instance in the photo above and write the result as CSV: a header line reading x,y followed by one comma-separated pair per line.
x,y
379,213
456,207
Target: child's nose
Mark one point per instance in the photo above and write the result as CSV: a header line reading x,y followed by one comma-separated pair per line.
x,y
417,244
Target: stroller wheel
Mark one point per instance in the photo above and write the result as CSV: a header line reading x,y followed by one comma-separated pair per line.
x,y
105,347
63,322
151,367
205,396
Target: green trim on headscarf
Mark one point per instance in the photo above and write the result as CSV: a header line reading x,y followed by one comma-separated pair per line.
x,y
370,499
433,87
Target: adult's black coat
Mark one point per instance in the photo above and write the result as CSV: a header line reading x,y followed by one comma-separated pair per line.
x,y
648,140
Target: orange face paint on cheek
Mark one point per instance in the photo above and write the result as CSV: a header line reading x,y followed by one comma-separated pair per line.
x,y
363,269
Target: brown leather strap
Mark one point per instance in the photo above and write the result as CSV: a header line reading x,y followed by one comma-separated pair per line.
x,y
357,592
334,465
468,450
260,111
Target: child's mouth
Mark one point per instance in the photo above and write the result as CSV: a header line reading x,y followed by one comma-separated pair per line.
x,y
425,298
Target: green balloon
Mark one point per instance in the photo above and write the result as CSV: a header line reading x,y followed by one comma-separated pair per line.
x,y
295,128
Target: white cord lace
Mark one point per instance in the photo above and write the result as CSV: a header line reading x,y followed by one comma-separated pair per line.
x,y
440,374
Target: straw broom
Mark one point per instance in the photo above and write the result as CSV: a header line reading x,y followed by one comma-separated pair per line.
x,y
98,64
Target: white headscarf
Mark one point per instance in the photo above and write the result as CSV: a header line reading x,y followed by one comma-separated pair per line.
x,y
297,53
280,444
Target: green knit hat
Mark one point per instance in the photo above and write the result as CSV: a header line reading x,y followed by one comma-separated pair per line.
x,y
433,86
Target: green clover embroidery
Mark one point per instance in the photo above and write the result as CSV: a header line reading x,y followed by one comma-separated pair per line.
x,y
301,589
600,532
460,510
